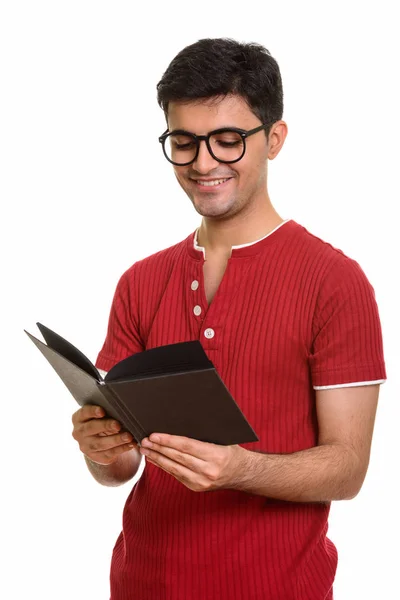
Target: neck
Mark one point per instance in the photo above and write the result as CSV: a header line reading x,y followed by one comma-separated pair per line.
x,y
218,236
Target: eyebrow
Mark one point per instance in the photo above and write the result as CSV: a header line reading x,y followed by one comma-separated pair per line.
x,y
215,129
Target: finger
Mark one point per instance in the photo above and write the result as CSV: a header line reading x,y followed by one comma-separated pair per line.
x,y
100,426
87,412
108,456
178,471
95,427
201,450
100,444
192,463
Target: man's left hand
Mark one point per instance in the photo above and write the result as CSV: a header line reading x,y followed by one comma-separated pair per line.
x,y
200,466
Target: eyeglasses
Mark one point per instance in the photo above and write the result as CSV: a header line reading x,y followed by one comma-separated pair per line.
x,y
226,145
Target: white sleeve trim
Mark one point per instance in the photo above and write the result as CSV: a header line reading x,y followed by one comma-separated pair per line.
x,y
343,385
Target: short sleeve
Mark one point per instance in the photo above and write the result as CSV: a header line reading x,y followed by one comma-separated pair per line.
x,y
122,339
347,336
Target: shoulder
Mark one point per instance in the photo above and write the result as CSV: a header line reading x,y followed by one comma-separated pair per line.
x,y
157,265
330,266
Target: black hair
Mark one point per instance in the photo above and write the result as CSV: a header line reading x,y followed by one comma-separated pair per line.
x,y
221,66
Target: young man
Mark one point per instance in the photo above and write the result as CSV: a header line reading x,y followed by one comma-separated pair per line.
x,y
292,327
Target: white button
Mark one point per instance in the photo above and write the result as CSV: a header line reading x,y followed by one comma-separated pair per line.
x,y
197,310
195,285
209,333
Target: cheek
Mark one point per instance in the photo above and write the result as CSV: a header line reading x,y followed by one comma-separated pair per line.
x,y
246,172
180,174
255,166
251,176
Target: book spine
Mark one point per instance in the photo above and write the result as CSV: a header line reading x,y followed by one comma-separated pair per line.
x,y
127,419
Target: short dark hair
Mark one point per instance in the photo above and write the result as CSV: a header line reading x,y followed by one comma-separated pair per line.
x,y
221,66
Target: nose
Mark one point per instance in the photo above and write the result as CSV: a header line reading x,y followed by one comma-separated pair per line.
x,y
204,162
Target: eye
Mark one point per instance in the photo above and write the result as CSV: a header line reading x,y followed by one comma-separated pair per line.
x,y
227,144
185,146
227,139
182,142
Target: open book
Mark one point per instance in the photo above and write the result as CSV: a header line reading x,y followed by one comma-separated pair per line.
x,y
171,389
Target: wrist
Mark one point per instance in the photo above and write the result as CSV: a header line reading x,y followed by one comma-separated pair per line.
x,y
242,466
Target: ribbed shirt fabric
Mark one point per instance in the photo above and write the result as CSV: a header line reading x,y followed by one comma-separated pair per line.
x,y
291,314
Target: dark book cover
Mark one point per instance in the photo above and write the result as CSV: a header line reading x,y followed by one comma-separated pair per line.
x,y
171,389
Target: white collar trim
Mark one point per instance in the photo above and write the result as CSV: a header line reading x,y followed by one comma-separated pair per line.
x,y
202,249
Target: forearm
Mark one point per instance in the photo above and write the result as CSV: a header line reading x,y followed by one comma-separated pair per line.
x,y
117,473
319,474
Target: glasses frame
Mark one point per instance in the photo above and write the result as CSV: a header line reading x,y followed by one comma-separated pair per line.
x,y
206,138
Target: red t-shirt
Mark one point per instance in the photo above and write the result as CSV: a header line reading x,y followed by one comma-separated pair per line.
x,y
291,315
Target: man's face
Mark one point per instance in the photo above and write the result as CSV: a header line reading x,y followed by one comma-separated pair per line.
x,y
245,180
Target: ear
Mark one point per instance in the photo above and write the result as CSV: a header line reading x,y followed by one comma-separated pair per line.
x,y
276,138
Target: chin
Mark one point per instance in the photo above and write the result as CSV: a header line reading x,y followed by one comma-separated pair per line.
x,y
213,208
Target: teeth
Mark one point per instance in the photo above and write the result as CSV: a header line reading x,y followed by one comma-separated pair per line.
x,y
210,183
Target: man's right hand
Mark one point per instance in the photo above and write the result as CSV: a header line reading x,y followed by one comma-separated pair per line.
x,y
100,438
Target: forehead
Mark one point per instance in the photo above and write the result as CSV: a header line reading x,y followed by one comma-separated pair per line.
x,y
201,116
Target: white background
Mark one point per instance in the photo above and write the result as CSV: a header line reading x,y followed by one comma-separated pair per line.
x,y
85,192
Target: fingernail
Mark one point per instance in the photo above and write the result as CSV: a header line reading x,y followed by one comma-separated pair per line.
x,y
126,437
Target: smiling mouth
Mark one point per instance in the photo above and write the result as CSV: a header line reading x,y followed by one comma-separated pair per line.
x,y
210,182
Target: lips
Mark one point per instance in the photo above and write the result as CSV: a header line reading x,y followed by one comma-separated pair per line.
x,y
208,184
212,182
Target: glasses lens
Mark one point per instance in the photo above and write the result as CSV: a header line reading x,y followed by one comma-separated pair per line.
x,y
180,148
227,146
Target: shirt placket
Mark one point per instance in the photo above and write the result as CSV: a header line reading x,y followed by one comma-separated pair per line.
x,y
209,318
